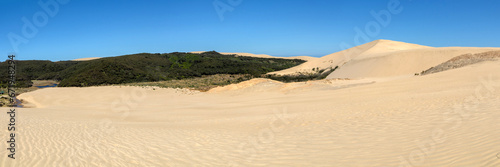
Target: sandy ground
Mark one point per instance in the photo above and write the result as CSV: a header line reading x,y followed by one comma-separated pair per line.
x,y
448,118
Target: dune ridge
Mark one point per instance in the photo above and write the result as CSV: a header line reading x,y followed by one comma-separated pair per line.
x,y
86,59
370,49
383,58
306,58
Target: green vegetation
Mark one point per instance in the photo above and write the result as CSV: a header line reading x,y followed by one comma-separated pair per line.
x,y
301,77
33,70
142,67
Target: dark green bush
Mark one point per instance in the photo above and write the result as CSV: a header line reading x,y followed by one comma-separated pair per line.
x,y
301,77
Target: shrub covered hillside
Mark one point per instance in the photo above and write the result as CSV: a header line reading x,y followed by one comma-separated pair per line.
x,y
146,67
33,70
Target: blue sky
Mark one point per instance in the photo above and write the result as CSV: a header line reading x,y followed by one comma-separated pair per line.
x,y
92,28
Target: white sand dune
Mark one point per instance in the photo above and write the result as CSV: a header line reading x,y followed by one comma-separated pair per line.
x,y
371,49
404,62
306,58
86,59
383,58
441,119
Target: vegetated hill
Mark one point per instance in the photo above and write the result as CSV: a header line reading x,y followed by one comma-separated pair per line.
x,y
28,70
144,67
462,61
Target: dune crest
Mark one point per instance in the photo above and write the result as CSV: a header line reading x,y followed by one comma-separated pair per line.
x,y
382,58
403,62
370,49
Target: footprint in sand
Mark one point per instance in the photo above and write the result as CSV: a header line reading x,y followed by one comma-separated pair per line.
x,y
498,155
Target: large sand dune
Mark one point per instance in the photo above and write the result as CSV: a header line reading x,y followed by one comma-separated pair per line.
x,y
441,119
405,62
372,49
383,58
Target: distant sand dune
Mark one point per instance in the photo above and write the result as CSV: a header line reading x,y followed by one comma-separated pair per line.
x,y
87,59
306,58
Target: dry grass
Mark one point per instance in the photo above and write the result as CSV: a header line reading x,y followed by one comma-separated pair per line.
x,y
462,61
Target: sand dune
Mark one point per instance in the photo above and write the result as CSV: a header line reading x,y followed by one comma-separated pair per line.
x,y
405,62
372,49
306,58
441,119
383,58
86,59
387,118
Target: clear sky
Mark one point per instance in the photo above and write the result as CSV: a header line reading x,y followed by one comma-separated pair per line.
x,y
101,28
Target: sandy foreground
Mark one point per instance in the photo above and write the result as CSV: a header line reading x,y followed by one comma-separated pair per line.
x,y
448,118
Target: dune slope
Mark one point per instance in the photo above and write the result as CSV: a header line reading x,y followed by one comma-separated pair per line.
x,y
405,62
463,60
367,50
